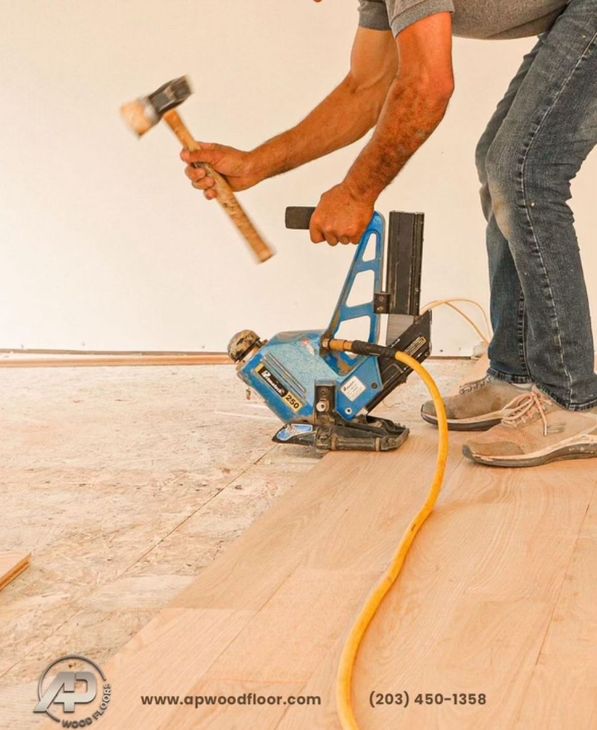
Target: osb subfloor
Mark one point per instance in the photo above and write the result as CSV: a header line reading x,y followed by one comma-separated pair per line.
x,y
123,484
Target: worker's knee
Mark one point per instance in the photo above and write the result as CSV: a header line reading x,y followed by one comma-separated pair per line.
x,y
481,151
522,179
503,169
481,162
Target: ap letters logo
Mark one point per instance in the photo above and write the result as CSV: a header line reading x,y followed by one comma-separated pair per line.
x,y
63,691
69,686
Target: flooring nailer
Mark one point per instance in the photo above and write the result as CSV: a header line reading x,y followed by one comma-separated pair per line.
x,y
323,388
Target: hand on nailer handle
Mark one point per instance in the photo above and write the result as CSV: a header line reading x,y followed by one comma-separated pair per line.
x,y
342,216
237,166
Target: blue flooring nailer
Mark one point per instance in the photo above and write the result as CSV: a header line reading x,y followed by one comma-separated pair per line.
x,y
324,398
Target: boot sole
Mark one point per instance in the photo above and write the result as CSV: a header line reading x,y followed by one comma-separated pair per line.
x,y
586,451
459,425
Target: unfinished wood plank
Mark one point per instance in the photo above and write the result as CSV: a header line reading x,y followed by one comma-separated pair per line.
x,y
276,651
302,571
468,615
469,606
475,600
296,629
90,361
166,658
326,521
563,683
11,566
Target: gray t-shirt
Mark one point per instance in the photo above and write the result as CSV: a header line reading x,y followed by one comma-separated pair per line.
x,y
471,18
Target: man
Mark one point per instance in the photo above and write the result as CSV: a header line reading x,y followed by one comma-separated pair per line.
x,y
539,397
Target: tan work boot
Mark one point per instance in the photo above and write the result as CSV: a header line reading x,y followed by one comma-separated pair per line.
x,y
478,406
537,430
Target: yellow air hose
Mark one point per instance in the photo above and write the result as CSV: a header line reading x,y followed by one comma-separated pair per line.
x,y
378,593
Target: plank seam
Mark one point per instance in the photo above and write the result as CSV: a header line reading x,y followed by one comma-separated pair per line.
x,y
192,514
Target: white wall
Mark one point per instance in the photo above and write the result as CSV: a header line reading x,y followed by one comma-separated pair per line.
x,y
103,243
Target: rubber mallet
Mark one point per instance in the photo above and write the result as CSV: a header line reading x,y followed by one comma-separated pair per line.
x,y
144,113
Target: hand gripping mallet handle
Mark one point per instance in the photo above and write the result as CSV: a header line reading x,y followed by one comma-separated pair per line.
x,y
144,113
226,196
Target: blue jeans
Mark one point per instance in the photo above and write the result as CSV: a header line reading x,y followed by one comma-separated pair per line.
x,y
539,136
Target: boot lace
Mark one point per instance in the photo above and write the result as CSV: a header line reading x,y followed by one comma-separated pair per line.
x,y
526,406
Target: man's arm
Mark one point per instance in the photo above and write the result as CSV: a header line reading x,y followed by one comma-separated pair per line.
x,y
415,104
340,119
346,114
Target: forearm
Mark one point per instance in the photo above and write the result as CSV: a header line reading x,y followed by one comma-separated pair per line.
x,y
412,110
340,119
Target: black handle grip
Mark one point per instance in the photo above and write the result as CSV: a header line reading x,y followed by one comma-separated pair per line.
x,y
298,217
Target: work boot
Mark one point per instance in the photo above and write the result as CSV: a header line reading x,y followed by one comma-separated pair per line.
x,y
536,430
478,406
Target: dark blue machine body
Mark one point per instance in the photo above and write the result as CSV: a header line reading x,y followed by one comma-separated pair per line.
x,y
286,370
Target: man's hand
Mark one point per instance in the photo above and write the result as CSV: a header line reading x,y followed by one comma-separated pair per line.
x,y
236,166
340,217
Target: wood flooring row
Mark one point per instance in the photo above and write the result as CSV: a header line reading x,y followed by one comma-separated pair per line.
x,y
493,620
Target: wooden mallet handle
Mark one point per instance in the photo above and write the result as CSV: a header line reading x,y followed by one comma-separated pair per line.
x,y
226,196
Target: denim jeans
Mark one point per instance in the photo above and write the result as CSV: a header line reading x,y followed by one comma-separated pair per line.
x,y
536,141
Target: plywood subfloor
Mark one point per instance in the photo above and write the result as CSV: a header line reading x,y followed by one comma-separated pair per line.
x,y
125,484
496,602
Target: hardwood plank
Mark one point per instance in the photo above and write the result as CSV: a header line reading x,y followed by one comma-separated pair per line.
x,y
326,521
90,361
11,566
296,629
469,613
476,597
277,650
563,687
438,581
299,574
165,658
412,678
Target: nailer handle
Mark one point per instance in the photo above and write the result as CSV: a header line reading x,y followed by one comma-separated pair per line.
x,y
298,217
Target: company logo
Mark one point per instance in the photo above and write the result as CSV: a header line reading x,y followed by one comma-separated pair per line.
x,y
289,398
73,691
